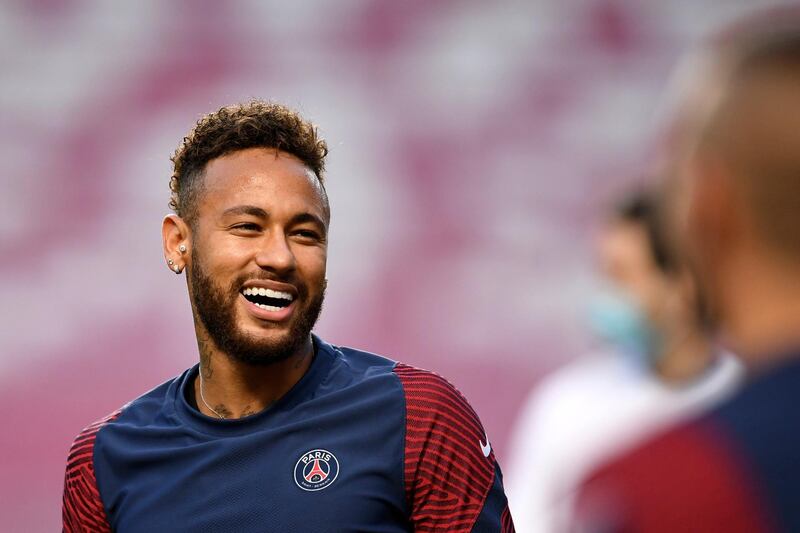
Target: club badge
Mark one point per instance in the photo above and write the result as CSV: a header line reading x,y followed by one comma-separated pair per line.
x,y
316,470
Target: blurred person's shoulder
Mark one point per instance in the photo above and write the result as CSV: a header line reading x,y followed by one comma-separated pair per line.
x,y
733,469
572,413
590,375
685,479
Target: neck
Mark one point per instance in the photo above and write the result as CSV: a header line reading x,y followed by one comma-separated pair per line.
x,y
761,315
685,357
233,389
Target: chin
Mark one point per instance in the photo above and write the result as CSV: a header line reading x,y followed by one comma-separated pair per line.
x,y
262,347
263,353
265,333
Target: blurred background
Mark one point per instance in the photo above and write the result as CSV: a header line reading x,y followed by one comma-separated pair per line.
x,y
473,147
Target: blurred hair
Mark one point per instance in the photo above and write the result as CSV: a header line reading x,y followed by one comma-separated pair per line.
x,y
757,127
255,124
644,208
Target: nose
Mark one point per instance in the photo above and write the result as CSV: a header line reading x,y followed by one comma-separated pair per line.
x,y
275,254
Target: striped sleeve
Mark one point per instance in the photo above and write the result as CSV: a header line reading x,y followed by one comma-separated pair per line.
x,y
82,507
452,481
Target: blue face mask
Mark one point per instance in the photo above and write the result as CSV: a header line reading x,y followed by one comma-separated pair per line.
x,y
616,318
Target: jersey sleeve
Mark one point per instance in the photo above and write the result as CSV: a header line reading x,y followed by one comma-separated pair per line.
x,y
452,480
82,509
687,479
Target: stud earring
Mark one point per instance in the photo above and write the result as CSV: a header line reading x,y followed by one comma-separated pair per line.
x,y
170,262
182,248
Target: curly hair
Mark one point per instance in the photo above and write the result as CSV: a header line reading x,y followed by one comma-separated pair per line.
x,y
255,124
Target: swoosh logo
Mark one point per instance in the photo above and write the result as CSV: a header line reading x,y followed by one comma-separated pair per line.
x,y
485,448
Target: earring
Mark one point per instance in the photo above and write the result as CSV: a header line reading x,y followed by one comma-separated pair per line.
x,y
177,269
170,262
182,248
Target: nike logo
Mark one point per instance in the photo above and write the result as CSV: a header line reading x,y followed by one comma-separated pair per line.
x,y
485,448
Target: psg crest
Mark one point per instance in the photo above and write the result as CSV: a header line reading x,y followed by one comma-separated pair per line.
x,y
316,470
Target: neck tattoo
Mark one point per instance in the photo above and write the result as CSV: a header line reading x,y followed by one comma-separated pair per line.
x,y
203,398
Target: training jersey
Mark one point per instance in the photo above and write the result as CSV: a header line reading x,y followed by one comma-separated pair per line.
x,y
737,469
360,443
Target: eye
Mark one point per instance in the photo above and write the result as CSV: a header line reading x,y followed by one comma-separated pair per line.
x,y
308,234
247,227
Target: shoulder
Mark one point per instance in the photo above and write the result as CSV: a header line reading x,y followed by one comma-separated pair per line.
x,y
82,507
597,371
80,454
351,363
691,476
83,445
359,361
449,466
437,412
557,404
430,397
135,412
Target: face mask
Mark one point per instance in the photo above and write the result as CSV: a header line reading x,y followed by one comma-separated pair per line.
x,y
616,318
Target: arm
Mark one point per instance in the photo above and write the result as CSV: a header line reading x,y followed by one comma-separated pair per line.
x,y
82,507
452,480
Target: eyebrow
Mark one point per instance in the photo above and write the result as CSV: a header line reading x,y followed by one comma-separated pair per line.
x,y
258,212
245,210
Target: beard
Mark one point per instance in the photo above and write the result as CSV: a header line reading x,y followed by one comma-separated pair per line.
x,y
215,308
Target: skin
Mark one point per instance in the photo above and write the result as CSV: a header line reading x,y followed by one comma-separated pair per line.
x,y
751,280
666,300
263,215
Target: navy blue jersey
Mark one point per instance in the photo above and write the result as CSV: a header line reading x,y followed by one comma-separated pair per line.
x,y
360,443
736,469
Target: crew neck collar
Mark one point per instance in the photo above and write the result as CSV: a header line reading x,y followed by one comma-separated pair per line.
x,y
324,356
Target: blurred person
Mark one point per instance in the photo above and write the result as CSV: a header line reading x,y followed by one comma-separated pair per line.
x,y
733,162
275,429
660,365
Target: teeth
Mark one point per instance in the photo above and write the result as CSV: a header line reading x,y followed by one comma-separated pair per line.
x,y
269,307
261,291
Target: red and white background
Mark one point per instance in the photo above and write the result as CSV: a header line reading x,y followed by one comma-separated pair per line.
x,y
473,146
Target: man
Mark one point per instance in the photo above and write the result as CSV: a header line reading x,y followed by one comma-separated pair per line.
x,y
275,429
735,159
659,366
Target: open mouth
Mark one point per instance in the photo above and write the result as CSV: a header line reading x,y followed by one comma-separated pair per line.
x,y
267,299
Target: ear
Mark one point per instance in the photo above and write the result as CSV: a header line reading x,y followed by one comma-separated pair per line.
x,y
683,295
176,240
714,209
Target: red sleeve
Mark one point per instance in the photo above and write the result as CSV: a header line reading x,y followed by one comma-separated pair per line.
x,y
452,481
688,479
82,507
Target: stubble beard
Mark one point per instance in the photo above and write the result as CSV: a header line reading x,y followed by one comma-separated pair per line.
x,y
215,309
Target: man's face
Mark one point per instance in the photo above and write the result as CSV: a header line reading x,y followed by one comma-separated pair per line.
x,y
626,260
693,195
258,256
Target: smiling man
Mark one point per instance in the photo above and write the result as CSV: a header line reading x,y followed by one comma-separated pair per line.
x,y
275,429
